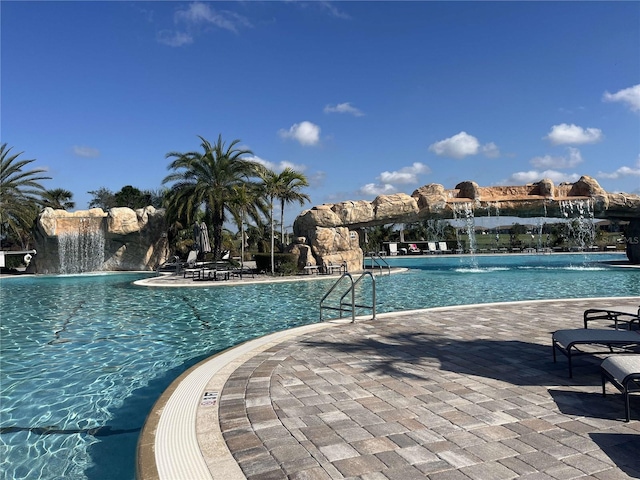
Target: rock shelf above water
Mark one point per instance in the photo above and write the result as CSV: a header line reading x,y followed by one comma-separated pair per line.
x,y
541,199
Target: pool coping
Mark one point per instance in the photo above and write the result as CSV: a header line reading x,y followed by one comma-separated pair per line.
x,y
181,437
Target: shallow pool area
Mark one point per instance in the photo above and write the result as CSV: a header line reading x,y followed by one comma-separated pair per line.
x,y
85,357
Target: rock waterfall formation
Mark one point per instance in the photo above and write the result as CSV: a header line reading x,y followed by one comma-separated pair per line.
x,y
329,233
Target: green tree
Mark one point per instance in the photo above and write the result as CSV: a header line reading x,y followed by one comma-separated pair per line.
x,y
206,180
102,198
58,198
131,197
20,195
285,187
373,238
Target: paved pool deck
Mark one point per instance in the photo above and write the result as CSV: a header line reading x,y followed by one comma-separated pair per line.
x,y
467,392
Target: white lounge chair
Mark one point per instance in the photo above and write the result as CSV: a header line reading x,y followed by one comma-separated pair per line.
x,y
431,248
443,247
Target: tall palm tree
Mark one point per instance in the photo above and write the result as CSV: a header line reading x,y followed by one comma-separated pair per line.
x,y
285,187
291,182
58,198
20,193
206,180
247,200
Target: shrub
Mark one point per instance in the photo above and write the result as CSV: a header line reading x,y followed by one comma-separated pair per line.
x,y
284,263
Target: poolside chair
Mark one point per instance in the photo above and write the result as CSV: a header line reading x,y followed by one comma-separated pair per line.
x,y
191,266
619,316
443,247
598,340
431,248
413,248
623,371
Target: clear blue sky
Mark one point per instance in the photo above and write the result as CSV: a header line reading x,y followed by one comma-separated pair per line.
x,y
363,97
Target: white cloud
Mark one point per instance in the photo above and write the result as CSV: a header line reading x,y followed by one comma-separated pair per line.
x,y
491,150
406,175
343,108
462,145
622,172
174,39
198,13
306,133
277,167
374,189
85,152
194,18
629,96
573,134
458,146
572,159
521,178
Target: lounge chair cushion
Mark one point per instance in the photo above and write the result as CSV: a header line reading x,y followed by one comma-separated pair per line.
x,y
595,336
621,366
567,341
623,371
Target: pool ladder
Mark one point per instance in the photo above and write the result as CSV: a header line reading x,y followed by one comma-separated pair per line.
x,y
376,261
350,306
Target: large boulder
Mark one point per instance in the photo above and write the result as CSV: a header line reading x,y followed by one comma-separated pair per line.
x,y
398,207
122,221
354,213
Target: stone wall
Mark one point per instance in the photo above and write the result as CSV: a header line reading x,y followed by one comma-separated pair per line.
x,y
133,240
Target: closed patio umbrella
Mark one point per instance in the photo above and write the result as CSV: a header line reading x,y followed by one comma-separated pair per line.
x,y
205,244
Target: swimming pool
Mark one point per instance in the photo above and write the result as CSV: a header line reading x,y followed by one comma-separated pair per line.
x,y
85,357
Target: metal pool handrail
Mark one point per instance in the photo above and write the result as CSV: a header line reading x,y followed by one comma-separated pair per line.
x,y
378,261
350,307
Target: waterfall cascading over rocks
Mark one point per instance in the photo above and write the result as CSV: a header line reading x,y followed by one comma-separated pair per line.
x,y
121,239
81,252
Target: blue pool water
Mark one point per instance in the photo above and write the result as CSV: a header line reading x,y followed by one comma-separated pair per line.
x,y
83,358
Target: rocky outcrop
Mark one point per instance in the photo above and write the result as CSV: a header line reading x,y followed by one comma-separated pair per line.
x,y
330,229
120,239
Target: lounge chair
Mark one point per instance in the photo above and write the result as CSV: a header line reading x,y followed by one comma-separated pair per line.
x,y
310,269
443,247
619,316
623,371
413,248
601,340
431,248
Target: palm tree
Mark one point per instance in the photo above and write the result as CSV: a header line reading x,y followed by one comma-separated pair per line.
x,y
291,183
20,193
206,180
284,186
247,200
58,198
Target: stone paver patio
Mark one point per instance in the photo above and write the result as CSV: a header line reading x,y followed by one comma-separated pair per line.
x,y
449,393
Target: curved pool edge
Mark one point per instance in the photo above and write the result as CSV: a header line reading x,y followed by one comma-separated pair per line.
x,y
173,443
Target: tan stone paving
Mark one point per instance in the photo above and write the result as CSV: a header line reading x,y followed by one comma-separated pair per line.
x,y
468,393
